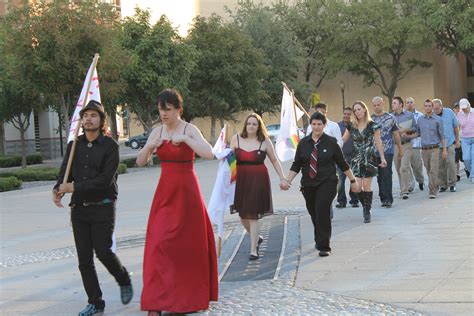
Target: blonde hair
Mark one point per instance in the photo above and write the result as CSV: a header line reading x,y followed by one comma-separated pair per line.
x,y
367,117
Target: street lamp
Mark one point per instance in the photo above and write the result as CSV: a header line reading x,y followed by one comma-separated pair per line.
x,y
342,86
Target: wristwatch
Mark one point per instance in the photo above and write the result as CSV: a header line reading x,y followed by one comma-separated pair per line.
x,y
353,181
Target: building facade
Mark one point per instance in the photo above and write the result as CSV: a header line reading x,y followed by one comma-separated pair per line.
x,y
449,78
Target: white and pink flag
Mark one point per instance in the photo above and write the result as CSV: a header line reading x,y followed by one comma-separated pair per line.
x,y
94,94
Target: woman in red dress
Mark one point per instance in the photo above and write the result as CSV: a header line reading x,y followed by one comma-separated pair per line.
x,y
253,194
180,264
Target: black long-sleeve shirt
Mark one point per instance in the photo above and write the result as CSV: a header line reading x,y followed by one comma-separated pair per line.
x,y
93,171
329,155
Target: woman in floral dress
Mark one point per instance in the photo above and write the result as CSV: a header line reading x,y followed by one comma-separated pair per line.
x,y
366,136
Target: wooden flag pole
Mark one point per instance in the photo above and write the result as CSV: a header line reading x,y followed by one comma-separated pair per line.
x,y
294,111
219,243
295,99
79,122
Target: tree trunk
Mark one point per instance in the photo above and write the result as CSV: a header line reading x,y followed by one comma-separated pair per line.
x,y
113,123
2,136
213,129
65,115
23,147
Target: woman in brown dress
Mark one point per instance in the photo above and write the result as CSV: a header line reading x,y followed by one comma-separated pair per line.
x,y
253,195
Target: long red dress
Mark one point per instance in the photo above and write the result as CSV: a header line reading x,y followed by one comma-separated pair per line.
x,y
180,263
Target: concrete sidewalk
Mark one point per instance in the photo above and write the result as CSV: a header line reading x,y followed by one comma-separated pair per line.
x,y
419,254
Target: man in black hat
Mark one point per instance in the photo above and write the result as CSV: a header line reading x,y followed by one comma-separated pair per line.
x,y
93,184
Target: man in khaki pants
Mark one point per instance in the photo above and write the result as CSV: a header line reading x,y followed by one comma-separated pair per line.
x,y
416,162
447,167
430,129
407,128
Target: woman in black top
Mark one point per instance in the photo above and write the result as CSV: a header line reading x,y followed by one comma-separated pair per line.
x,y
317,156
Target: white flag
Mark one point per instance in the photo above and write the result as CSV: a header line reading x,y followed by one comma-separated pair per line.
x,y
94,94
288,137
222,196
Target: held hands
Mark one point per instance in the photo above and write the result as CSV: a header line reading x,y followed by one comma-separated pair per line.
x,y
457,144
284,184
383,163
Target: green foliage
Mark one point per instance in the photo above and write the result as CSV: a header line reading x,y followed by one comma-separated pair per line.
x,y
282,53
311,23
9,184
373,38
33,174
158,59
122,168
14,161
452,23
129,162
229,72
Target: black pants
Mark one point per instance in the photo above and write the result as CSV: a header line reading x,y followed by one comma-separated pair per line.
x,y
341,189
318,202
384,180
93,227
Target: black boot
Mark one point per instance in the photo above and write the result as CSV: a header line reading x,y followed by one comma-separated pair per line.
x,y
360,195
367,205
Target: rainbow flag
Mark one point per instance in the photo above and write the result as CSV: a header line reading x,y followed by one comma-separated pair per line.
x,y
292,141
232,161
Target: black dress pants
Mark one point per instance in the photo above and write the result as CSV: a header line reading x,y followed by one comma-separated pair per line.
x,y
318,203
93,227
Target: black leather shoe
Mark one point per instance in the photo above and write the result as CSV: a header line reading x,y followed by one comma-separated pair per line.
x,y
442,189
340,205
387,204
355,204
421,186
253,257
452,188
324,253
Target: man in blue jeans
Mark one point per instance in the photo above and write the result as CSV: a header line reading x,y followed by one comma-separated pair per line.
x,y
389,134
347,150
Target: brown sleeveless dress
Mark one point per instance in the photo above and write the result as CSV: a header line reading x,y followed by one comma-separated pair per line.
x,y
253,194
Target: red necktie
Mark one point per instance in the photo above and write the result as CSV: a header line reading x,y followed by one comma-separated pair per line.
x,y
313,162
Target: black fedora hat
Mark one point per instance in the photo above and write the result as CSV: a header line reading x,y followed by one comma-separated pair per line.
x,y
93,105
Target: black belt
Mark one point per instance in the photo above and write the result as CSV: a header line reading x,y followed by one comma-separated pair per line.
x,y
86,203
429,147
243,163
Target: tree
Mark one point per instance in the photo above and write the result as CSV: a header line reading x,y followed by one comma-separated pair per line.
x,y
19,97
452,23
282,52
374,38
158,59
229,72
63,38
309,21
